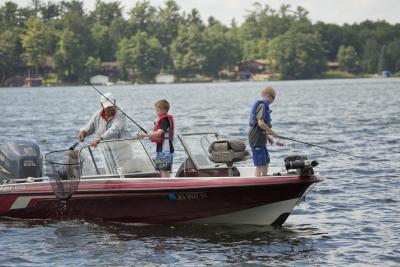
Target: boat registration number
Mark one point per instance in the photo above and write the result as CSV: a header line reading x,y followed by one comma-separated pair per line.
x,y
188,196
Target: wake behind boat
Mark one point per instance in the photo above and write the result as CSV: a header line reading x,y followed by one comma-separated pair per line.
x,y
118,181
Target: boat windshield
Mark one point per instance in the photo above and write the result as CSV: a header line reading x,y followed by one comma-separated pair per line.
x,y
116,157
196,145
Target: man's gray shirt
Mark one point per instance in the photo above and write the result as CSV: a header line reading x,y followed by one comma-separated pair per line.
x,y
114,128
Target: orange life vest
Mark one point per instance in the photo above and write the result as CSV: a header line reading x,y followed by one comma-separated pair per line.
x,y
170,136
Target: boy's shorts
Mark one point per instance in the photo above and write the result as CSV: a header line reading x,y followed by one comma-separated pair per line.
x,y
260,155
164,161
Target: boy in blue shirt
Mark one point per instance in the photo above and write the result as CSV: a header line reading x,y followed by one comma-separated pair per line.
x,y
260,128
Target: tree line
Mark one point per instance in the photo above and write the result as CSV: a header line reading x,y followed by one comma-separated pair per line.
x,y
152,40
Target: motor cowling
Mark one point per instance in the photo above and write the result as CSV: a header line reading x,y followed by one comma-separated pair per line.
x,y
20,159
301,164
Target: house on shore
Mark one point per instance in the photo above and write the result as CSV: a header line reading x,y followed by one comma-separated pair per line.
x,y
257,69
165,78
99,80
332,66
33,81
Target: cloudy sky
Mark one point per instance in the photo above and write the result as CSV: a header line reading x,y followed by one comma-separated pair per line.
x,y
332,11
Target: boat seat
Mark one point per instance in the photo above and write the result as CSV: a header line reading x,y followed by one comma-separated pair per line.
x,y
228,151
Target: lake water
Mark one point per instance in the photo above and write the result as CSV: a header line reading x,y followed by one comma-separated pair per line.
x,y
351,218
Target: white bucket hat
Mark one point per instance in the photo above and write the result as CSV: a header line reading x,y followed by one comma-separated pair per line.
x,y
108,100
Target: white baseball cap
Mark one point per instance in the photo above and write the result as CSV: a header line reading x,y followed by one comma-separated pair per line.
x,y
108,100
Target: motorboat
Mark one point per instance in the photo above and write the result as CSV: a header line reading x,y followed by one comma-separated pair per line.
x,y
118,181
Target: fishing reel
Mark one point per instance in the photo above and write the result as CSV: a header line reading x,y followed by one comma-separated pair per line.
x,y
301,164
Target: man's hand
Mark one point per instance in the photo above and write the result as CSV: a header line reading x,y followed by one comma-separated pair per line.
x,y
95,142
81,135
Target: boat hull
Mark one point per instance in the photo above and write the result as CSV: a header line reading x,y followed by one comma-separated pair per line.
x,y
261,201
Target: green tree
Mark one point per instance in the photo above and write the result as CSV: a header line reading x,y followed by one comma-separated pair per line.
x,y
36,42
255,49
9,16
141,54
393,51
36,6
119,29
348,58
370,57
106,13
268,23
220,51
9,55
167,20
298,54
194,18
385,60
331,38
186,51
75,43
142,18
50,11
102,43
102,19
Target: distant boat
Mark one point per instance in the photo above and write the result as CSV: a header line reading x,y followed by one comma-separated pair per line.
x,y
386,73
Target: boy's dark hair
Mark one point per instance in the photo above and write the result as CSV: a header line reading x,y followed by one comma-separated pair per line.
x,y
163,104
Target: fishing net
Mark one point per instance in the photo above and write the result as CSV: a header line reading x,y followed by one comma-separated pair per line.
x,y
64,170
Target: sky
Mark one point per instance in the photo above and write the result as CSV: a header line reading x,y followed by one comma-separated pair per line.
x,y
329,11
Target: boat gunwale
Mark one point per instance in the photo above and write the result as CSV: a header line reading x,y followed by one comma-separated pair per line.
x,y
128,184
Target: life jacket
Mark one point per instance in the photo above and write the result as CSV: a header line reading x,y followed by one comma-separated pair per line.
x,y
267,114
165,136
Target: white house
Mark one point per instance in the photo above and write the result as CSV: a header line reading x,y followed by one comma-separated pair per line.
x,y
99,80
165,78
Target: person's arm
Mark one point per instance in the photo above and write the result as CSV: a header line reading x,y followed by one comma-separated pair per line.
x,y
157,134
89,128
266,128
260,120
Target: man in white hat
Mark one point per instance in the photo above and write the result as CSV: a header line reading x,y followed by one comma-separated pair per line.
x,y
106,123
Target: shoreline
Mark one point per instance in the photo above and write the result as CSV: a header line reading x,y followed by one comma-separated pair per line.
x,y
208,82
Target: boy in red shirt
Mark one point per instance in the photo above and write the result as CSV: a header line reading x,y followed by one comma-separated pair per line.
x,y
163,136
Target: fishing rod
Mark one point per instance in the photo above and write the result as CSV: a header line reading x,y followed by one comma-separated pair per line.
x,y
331,149
74,145
140,127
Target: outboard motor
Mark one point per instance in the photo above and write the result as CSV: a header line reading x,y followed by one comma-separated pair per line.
x,y
19,159
300,163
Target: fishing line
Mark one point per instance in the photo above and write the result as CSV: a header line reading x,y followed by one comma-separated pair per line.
x,y
334,150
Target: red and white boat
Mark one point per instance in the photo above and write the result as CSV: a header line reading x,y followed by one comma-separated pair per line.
x,y
119,182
